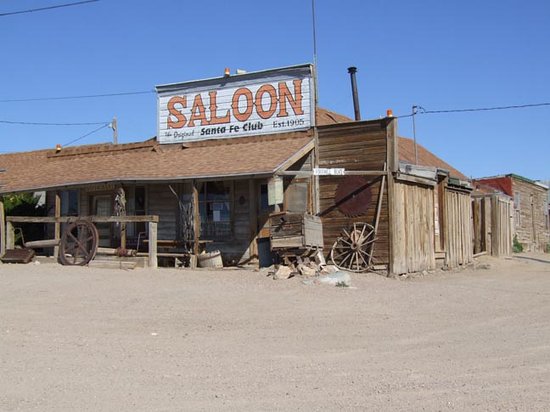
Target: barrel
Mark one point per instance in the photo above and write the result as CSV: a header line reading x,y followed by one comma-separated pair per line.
x,y
210,259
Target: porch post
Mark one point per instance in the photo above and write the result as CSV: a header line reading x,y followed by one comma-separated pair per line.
x,y
10,236
57,230
153,262
2,229
196,219
253,217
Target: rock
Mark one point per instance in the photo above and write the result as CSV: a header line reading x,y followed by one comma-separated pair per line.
x,y
328,269
307,271
283,272
339,278
483,266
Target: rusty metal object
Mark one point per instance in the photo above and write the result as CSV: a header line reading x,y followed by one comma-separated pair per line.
x,y
352,250
353,196
18,256
78,243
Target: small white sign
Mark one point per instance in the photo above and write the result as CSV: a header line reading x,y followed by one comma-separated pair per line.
x,y
275,193
322,171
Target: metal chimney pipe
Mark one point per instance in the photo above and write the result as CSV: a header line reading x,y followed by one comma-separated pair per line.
x,y
352,70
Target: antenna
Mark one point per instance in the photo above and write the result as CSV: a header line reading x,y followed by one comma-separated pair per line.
x,y
414,111
314,50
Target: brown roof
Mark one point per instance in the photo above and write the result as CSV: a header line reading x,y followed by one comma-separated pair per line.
x,y
325,117
148,160
425,158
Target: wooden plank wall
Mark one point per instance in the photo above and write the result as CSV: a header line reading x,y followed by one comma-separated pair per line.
x,y
458,228
492,224
481,214
353,146
501,231
413,213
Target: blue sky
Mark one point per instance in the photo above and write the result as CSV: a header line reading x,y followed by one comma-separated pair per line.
x,y
436,54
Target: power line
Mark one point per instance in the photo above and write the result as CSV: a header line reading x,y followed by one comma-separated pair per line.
x,y
482,109
52,124
86,135
422,110
48,8
87,96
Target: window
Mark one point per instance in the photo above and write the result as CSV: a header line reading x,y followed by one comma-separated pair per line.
x,y
215,210
69,203
545,207
517,208
517,200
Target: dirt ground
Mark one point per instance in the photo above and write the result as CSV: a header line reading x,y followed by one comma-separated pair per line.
x,y
168,340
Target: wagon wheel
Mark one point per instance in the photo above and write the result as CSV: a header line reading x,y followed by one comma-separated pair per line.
x,y
352,250
78,243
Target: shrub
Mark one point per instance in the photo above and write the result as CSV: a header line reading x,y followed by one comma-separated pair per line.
x,y
25,204
516,246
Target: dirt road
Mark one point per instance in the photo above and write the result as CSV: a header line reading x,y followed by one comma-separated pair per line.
x,y
112,340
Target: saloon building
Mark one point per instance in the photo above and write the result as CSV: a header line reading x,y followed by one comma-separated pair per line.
x,y
248,165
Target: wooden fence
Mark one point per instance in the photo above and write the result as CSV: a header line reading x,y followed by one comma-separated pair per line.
x,y
413,214
458,228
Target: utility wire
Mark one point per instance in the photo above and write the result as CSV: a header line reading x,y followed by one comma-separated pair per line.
x,y
88,96
86,135
53,124
422,110
47,8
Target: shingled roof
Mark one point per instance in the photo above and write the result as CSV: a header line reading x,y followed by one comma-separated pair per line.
x,y
425,158
148,161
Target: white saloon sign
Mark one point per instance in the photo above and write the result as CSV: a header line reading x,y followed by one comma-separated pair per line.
x,y
272,101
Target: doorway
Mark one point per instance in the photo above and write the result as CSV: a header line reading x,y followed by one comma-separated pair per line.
x,y
263,208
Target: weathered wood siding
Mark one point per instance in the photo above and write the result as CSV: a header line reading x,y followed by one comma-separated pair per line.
x,y
413,213
458,228
530,217
493,225
353,146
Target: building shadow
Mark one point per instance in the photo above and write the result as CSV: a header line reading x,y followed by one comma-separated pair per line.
x,y
532,259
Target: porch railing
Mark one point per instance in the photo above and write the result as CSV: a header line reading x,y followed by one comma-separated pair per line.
x,y
7,237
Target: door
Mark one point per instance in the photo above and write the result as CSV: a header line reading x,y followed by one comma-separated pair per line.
x,y
102,206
